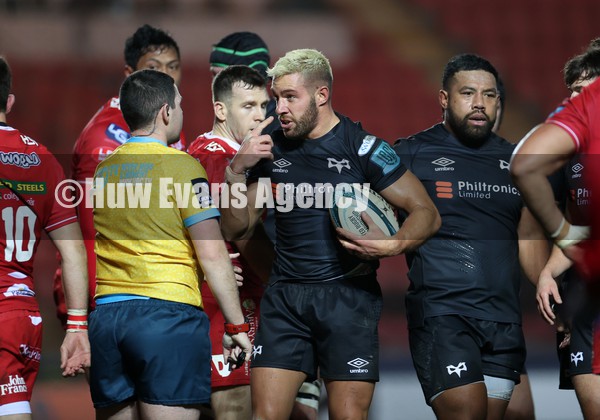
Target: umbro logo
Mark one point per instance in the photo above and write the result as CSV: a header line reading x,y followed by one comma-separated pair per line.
x,y
358,364
443,161
338,164
504,164
578,167
461,367
577,357
444,164
281,164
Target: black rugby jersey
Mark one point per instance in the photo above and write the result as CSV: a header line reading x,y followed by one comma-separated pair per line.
x,y
471,266
303,172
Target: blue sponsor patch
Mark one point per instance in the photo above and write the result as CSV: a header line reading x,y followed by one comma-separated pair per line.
x,y
385,157
116,133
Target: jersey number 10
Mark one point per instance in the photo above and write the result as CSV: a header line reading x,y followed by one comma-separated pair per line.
x,y
15,223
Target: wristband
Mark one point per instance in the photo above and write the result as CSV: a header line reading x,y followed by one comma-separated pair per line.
x,y
77,320
563,226
573,236
233,329
76,329
233,177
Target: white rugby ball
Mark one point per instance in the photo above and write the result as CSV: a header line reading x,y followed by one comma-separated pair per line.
x,y
350,200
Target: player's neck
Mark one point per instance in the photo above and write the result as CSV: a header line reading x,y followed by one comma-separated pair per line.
x,y
221,130
153,135
327,119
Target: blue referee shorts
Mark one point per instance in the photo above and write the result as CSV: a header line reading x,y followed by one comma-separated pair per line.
x,y
152,350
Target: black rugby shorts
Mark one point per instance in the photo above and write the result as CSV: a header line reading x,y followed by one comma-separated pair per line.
x,y
452,350
330,326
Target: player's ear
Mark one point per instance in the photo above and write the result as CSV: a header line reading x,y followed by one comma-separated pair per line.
x,y
443,98
165,113
10,102
128,70
322,95
220,110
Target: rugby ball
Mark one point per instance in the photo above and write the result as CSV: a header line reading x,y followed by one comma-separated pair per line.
x,y
350,200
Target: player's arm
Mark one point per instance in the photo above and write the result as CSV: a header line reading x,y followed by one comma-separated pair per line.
x,y
239,209
218,271
75,350
543,151
547,286
534,247
407,193
258,252
241,214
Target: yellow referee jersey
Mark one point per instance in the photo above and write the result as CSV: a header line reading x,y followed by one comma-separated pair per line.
x,y
145,195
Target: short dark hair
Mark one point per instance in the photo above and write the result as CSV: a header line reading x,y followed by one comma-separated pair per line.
x,y
466,62
142,95
5,83
147,38
583,66
223,82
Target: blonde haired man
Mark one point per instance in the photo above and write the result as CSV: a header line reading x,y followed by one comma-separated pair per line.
x,y
323,303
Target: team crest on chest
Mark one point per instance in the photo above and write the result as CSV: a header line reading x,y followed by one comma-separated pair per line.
x,y
214,147
338,164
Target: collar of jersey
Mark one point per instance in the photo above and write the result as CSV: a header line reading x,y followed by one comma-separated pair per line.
x,y
144,140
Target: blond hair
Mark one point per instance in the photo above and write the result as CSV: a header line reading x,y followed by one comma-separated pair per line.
x,y
312,64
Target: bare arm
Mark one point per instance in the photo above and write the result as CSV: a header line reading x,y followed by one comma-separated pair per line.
x,y
258,252
242,212
544,150
534,247
547,286
423,220
75,353
218,271
239,218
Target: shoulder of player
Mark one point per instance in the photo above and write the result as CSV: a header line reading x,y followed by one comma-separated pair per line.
x,y
22,142
501,142
415,142
176,159
106,128
352,133
110,112
205,144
